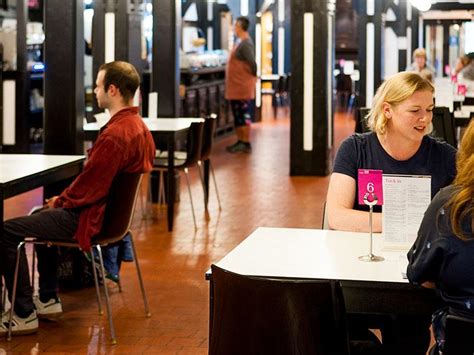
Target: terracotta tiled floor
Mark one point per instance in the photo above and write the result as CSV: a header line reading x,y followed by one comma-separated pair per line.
x,y
255,191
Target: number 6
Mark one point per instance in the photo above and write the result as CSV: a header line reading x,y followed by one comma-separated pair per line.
x,y
370,187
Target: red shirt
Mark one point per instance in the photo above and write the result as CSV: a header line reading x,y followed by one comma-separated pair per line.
x,y
124,145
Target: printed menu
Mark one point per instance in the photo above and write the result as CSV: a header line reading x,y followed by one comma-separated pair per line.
x,y
406,198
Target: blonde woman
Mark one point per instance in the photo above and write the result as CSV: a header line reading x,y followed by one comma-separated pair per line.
x,y
442,255
400,121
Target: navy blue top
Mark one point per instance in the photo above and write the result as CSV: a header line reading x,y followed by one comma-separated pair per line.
x,y
441,257
364,151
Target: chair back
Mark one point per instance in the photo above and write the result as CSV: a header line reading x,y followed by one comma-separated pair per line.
x,y
193,144
257,315
208,136
120,207
361,122
443,125
459,332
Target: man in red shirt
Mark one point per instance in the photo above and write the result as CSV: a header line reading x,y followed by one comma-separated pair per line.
x,y
124,145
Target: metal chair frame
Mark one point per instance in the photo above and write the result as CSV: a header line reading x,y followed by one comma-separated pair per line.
x,y
100,241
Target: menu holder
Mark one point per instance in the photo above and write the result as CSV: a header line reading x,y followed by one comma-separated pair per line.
x,y
371,194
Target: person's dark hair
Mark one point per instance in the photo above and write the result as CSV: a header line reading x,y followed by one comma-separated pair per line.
x,y
123,75
244,23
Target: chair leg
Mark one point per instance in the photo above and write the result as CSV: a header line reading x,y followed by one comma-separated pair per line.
x,y
215,185
190,196
161,190
202,182
33,260
4,297
107,300
140,279
96,283
15,281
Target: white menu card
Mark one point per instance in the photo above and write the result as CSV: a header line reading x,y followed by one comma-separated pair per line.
x,y
406,198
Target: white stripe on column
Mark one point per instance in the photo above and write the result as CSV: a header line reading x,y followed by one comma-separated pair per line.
x,y
244,7
308,43
408,45
281,50
9,112
329,78
258,59
370,52
210,38
281,10
370,7
109,37
420,33
210,8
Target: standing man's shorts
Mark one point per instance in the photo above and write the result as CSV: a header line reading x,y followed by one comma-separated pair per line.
x,y
241,112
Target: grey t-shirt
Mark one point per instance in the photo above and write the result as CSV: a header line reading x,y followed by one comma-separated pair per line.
x,y
246,52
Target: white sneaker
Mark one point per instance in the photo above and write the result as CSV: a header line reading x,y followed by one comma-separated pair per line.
x,y
20,326
51,309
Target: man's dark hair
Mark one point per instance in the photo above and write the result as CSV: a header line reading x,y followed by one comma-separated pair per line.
x,y
244,23
123,75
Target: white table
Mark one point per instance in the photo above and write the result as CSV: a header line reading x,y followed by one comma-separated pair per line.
x,y
164,130
23,172
312,254
153,124
375,287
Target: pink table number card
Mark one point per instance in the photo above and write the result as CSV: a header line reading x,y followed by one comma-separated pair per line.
x,y
370,185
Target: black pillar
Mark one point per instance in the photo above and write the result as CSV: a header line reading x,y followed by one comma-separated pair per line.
x,y
165,63
64,106
128,35
314,158
21,79
98,41
372,73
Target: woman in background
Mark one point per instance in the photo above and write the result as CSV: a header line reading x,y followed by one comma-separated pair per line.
x,y
443,254
421,66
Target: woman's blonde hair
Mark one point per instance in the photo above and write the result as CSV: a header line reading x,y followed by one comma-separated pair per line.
x,y
394,91
461,203
419,52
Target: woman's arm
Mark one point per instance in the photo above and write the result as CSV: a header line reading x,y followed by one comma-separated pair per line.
x,y
339,207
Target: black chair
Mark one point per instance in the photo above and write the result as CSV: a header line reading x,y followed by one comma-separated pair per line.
x,y
443,125
258,315
278,98
206,149
192,156
361,121
459,336
116,225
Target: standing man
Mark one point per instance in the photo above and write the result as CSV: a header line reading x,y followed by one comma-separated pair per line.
x,y
241,76
124,145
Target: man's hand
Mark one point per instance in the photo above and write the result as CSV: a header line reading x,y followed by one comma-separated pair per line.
x,y
50,201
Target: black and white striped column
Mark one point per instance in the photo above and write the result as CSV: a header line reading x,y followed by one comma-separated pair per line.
x,y
312,57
